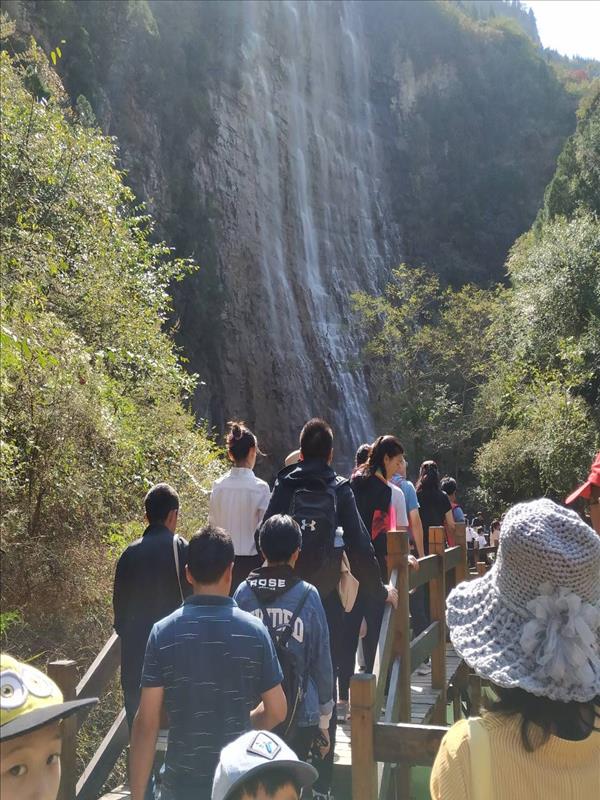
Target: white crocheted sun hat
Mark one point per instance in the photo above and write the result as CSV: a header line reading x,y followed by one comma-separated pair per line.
x,y
533,621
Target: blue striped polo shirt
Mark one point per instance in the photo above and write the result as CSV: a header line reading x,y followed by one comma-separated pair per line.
x,y
214,661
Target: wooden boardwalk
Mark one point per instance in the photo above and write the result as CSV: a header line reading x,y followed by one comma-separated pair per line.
x,y
423,700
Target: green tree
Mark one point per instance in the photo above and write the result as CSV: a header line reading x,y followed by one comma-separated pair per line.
x,y
94,391
427,350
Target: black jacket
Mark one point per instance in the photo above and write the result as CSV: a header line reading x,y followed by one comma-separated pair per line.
x,y
357,540
372,495
145,591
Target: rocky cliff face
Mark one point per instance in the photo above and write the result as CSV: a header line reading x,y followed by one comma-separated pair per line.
x,y
299,150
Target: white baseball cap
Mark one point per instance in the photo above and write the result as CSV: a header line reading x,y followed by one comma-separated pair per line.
x,y
254,752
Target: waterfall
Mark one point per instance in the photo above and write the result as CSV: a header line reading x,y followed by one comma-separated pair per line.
x,y
306,228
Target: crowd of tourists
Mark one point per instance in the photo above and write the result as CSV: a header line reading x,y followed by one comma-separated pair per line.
x,y
242,641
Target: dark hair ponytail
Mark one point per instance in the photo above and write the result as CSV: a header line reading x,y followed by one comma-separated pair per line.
x,y
240,440
382,446
429,477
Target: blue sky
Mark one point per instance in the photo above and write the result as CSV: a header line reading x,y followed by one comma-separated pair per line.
x,y
570,26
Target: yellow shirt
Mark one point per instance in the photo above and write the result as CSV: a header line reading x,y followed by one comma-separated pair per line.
x,y
557,770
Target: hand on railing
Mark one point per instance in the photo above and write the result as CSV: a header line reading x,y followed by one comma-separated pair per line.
x,y
413,563
392,596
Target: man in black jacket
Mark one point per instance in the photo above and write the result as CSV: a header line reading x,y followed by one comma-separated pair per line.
x,y
148,587
314,467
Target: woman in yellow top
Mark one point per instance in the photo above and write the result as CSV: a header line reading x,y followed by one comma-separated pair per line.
x,y
531,626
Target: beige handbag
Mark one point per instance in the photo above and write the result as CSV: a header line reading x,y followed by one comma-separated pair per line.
x,y
348,585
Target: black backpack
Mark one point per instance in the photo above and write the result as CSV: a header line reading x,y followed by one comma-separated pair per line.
x,y
294,682
314,507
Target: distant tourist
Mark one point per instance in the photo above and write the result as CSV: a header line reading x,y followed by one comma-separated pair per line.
x,y
354,621
293,613
239,500
434,505
481,538
495,533
31,711
419,619
260,766
448,485
590,490
320,502
531,627
471,536
149,584
210,663
379,504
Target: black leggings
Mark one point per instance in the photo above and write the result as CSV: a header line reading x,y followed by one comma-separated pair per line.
x,y
349,645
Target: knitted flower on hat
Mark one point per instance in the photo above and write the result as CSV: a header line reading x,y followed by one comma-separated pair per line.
x,y
533,621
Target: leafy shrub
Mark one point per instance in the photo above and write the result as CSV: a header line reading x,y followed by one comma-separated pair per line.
x,y
94,390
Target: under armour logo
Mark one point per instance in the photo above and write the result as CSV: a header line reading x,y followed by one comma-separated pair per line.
x,y
312,525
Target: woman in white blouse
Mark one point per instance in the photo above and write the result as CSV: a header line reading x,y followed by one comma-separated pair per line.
x,y
239,500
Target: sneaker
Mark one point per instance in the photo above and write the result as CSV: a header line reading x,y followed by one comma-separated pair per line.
x,y
343,710
424,669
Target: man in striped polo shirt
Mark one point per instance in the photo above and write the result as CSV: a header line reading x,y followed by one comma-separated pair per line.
x,y
216,669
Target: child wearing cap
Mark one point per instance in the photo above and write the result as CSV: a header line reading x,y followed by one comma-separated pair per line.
x,y
31,709
531,627
260,766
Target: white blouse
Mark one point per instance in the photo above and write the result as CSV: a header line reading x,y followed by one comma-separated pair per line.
x,y
238,502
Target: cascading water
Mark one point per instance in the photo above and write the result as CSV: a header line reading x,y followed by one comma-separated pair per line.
x,y
298,165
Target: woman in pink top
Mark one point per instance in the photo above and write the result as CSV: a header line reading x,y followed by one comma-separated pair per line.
x,y
239,500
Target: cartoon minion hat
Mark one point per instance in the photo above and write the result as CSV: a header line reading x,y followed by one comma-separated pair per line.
x,y
29,699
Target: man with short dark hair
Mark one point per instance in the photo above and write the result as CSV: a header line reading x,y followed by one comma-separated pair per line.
x,y
209,662
314,472
448,485
148,586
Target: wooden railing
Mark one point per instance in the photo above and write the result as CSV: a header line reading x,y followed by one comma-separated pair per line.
x,y
377,743
93,684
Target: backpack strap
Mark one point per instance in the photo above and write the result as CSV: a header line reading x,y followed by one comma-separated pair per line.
x,y
481,760
176,558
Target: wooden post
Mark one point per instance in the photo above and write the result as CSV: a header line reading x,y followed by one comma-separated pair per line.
x,y
475,693
364,768
481,568
460,537
398,548
64,673
437,608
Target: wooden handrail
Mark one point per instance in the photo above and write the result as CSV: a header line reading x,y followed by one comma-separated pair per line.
x,y
385,648
429,568
376,746
104,759
64,674
93,684
423,645
453,557
416,745
437,609
100,673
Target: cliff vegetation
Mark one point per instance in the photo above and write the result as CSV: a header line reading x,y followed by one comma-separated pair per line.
x,y
95,393
502,385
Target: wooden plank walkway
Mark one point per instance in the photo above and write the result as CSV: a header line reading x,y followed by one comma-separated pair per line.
x,y
423,699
